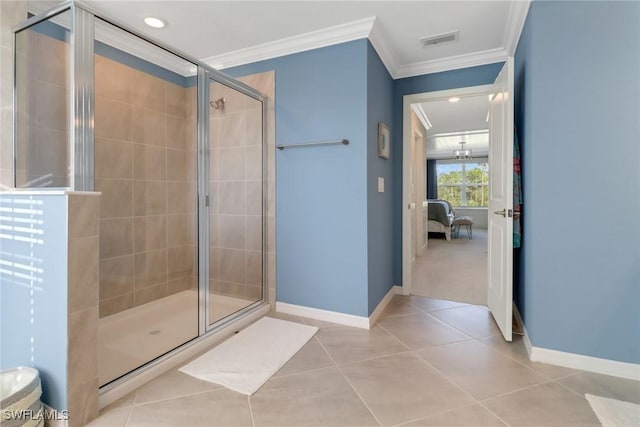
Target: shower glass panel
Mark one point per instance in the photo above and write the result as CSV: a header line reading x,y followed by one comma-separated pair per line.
x,y
236,211
42,95
146,169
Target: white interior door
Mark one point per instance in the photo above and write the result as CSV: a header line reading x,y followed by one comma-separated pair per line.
x,y
500,260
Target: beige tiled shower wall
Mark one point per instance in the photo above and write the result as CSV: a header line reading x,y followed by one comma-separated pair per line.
x,y
11,14
236,185
42,102
145,167
265,83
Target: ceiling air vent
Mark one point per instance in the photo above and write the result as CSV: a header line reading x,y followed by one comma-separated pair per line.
x,y
439,39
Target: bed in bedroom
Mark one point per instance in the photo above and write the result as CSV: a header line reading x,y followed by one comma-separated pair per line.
x,y
439,216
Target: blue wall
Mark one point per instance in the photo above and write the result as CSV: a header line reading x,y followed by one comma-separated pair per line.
x,y
577,109
465,77
379,205
321,199
33,294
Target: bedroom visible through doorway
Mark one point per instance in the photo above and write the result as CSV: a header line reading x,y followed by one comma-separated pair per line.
x,y
449,198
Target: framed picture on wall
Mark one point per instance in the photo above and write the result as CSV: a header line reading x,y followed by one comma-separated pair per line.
x,y
384,140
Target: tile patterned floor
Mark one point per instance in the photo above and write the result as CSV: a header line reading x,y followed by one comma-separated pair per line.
x,y
426,363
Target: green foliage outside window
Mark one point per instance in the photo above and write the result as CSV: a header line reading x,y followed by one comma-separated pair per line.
x,y
464,184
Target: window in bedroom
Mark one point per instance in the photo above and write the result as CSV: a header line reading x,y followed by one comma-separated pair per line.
x,y
464,184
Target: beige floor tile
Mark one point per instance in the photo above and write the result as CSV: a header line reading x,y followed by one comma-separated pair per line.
x,y
604,385
172,384
399,306
114,417
402,388
320,398
547,404
479,370
421,330
517,350
473,320
433,304
222,408
475,415
310,357
126,401
346,344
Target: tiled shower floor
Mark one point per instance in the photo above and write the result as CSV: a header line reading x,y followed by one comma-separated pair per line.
x,y
427,362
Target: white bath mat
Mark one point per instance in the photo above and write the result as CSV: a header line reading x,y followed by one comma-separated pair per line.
x,y
247,360
614,413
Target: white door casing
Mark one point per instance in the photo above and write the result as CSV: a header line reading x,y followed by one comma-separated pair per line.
x,y
500,221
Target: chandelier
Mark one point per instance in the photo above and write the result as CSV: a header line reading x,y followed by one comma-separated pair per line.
x,y
462,153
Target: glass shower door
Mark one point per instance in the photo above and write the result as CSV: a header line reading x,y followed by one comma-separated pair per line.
x,y
236,201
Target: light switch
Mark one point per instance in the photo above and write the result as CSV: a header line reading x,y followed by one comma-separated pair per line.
x,y
380,184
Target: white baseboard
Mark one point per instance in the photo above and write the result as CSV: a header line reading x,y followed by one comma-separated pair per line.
x,y
578,361
375,314
324,315
336,317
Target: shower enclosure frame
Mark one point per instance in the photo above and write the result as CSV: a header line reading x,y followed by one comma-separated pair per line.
x,y
81,149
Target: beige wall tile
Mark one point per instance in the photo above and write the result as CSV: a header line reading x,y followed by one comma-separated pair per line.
x,y
116,305
182,284
229,164
181,197
214,263
181,230
113,119
83,357
179,165
233,289
113,80
149,91
116,276
176,100
83,215
53,60
150,269
254,293
83,273
254,233
254,268
233,265
253,165
233,231
180,261
82,402
231,198
254,198
52,109
116,237
149,162
116,200
50,153
176,130
149,233
149,294
113,159
149,127
149,198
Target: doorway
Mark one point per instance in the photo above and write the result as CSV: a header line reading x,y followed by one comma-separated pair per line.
x,y
497,162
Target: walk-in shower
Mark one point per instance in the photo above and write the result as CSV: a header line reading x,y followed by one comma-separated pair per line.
x,y
176,150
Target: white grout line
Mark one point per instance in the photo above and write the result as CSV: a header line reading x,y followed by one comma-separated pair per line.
x,y
352,386
126,422
395,337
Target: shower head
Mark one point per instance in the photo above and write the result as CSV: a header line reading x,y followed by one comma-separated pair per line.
x,y
218,104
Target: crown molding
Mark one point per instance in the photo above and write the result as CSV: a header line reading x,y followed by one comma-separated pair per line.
x,y
379,42
422,116
517,17
452,63
313,40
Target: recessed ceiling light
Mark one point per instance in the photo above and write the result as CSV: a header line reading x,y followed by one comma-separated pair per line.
x,y
154,22
454,99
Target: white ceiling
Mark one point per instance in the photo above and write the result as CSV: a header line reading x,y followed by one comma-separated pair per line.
x,y
468,114
229,33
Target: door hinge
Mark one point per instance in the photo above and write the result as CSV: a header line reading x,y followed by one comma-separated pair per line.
x,y
206,201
